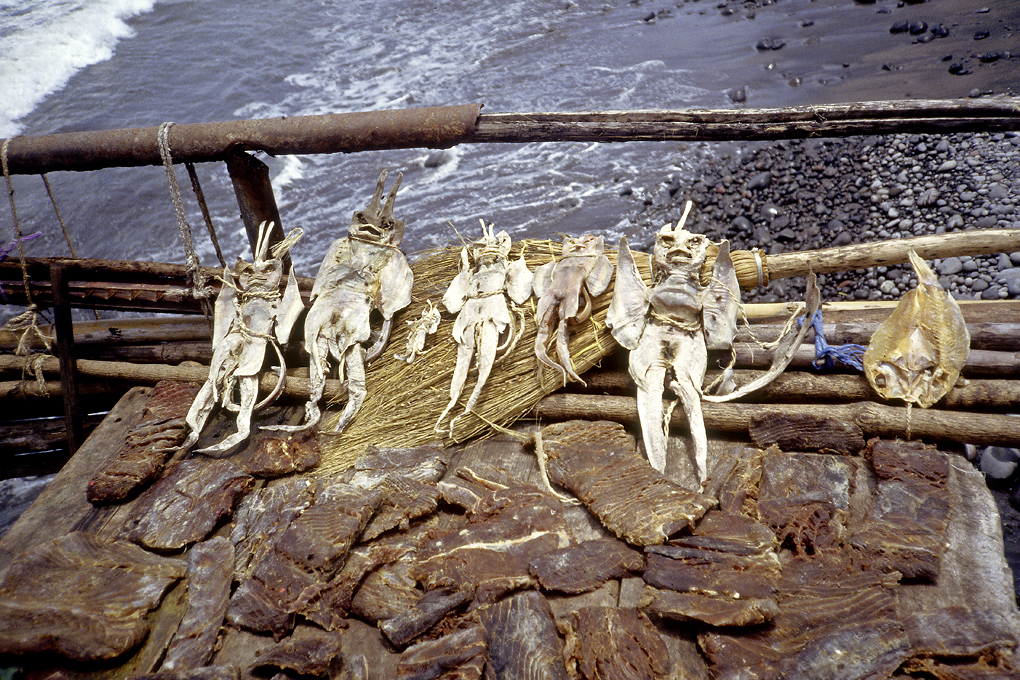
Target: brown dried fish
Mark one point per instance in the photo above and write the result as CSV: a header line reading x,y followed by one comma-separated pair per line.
x,y
917,353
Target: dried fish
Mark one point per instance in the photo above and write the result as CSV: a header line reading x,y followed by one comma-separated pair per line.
x,y
478,296
917,353
82,597
363,272
598,462
582,271
421,328
187,503
251,313
670,327
148,444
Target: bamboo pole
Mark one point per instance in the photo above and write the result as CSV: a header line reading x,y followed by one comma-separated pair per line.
x,y
984,429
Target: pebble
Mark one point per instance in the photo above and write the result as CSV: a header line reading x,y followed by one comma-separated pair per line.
x,y
998,463
806,194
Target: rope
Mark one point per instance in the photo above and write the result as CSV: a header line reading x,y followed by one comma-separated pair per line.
x,y
828,356
63,227
14,215
199,289
200,197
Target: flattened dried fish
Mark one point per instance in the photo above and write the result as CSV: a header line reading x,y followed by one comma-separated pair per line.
x,y
82,597
586,566
491,554
278,456
917,353
148,444
598,462
185,505
618,643
457,656
906,526
521,637
210,575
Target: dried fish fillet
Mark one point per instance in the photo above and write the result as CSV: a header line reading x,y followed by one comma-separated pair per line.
x,y
918,352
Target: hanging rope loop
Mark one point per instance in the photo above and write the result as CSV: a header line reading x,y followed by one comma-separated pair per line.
x,y
199,289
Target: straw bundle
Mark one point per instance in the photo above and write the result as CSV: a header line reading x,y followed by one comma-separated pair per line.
x,y
405,400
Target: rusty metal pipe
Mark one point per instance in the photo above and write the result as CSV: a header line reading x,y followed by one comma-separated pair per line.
x,y
435,127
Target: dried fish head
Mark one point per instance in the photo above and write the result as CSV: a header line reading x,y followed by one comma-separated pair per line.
x,y
580,246
677,249
376,224
917,353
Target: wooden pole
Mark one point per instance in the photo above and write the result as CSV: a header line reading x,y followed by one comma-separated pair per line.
x,y
65,350
884,253
255,198
297,387
440,127
985,429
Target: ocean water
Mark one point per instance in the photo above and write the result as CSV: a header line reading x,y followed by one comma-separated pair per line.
x,y
70,65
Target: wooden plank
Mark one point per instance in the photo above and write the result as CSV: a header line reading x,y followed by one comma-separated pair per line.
x,y
63,507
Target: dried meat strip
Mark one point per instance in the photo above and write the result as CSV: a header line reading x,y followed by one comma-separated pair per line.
x,y
833,621
224,672
187,503
427,612
407,478
805,498
329,608
262,514
906,527
618,643
147,446
521,639
307,651
806,432
598,462
586,566
82,597
491,553
278,456
210,575
457,656
296,563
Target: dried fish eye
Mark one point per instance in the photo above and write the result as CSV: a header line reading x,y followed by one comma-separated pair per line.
x,y
880,380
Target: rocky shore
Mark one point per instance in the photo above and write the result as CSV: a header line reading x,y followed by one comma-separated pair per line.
x,y
808,194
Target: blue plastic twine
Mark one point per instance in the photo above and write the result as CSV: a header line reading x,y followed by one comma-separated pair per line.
x,y
828,356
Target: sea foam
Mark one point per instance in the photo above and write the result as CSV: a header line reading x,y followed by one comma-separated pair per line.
x,y
43,43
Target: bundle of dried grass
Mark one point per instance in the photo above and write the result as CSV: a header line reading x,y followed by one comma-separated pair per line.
x,y
405,400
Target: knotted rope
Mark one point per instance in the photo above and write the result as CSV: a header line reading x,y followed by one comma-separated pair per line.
x,y
828,356
27,322
199,290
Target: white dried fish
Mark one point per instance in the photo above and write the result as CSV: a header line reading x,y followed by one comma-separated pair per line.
x,y
250,314
362,272
670,327
478,296
582,271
